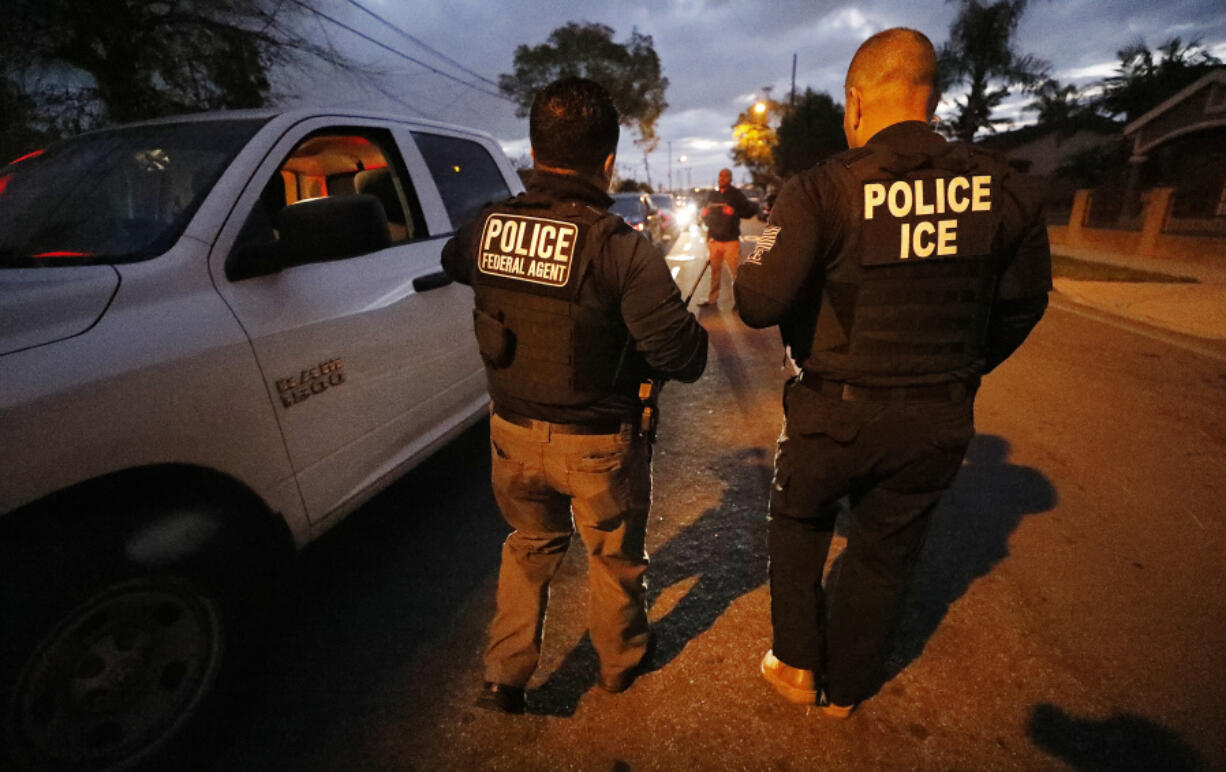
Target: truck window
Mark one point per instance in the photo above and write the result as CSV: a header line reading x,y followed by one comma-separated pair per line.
x,y
330,164
466,175
113,196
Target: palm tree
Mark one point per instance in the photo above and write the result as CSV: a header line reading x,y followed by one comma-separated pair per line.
x,y
1142,81
980,54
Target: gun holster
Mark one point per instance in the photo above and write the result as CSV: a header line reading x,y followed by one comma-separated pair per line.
x,y
650,417
494,340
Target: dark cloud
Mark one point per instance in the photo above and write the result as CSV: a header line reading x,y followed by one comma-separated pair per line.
x,y
717,54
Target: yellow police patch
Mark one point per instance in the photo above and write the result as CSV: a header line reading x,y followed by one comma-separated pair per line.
x,y
922,219
531,249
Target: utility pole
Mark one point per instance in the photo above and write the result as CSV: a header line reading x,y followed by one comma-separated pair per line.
x,y
792,98
670,166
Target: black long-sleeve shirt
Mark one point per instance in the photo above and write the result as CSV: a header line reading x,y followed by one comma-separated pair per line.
x,y
628,277
723,212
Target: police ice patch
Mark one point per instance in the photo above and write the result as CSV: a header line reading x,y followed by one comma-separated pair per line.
x,y
765,243
927,219
531,249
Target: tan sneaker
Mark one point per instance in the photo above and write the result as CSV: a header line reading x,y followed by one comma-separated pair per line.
x,y
794,684
832,711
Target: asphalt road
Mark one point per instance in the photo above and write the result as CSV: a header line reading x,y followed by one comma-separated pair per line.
x,y
1069,611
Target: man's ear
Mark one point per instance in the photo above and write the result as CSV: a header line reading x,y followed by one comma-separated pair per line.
x,y
609,163
854,109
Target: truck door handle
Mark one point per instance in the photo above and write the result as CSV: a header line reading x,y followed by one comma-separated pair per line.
x,y
431,281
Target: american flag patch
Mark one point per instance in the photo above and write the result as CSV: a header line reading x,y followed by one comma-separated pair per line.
x,y
765,242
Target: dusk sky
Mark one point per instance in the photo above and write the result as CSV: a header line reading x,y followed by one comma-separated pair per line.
x,y
717,54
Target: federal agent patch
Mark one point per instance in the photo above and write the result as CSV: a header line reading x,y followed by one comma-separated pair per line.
x,y
765,243
532,249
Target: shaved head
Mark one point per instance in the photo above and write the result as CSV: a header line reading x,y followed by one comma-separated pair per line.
x,y
891,79
898,57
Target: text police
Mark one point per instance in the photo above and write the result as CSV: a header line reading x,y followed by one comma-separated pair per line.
x,y
528,248
907,200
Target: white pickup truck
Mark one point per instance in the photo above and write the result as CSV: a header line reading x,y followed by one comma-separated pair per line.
x,y
219,334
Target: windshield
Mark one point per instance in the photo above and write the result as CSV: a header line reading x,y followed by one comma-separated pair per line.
x,y
662,201
627,206
112,196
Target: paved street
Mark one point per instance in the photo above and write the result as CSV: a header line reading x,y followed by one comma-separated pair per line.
x,y
1070,607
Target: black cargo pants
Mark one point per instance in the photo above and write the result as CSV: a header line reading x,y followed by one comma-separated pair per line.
x,y
893,460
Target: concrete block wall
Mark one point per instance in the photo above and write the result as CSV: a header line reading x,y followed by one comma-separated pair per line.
x,y
1150,241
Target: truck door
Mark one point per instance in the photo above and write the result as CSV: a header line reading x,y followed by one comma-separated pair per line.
x,y
369,358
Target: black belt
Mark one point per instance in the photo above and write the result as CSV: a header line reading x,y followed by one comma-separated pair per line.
x,y
937,392
605,426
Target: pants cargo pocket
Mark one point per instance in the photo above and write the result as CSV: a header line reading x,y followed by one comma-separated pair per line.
x,y
601,477
506,473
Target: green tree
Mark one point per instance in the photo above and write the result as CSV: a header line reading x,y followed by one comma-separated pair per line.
x,y
755,140
630,71
1063,108
630,185
18,132
81,63
1142,80
980,55
810,130
1055,104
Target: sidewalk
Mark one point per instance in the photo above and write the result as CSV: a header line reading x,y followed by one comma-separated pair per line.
x,y
1191,309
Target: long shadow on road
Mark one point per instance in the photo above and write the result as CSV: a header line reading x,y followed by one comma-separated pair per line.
x,y
969,536
1120,742
725,548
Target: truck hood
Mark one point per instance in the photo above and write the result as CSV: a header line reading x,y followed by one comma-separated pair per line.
x,y
43,305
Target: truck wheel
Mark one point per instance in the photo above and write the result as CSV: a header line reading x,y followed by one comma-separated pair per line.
x,y
126,675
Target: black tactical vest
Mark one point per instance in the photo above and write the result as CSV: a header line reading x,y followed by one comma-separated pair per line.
x,y
533,257
907,296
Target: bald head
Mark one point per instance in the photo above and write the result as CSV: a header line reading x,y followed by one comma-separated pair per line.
x,y
894,58
891,78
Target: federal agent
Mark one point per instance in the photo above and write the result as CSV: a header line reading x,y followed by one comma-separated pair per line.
x,y
899,272
574,309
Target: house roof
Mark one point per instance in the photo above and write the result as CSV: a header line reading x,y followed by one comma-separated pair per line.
x,y
1006,141
1209,78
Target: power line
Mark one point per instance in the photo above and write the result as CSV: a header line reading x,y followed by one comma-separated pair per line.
x,y
421,43
399,53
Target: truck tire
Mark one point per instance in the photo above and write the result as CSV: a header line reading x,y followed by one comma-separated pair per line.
x,y
108,665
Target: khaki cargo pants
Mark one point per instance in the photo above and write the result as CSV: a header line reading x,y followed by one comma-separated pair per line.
x,y
722,253
542,477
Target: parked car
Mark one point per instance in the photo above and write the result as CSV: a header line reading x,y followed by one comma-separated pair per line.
x,y
219,335
639,213
670,216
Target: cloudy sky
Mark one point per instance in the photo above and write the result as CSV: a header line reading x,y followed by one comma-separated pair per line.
x,y
719,56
